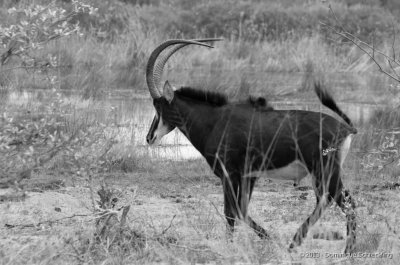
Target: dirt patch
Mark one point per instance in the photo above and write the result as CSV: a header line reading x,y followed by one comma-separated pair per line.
x,y
179,219
41,206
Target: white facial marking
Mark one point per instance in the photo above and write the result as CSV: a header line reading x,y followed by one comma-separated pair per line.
x,y
162,129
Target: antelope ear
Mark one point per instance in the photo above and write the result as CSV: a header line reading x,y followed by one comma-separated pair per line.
x,y
168,92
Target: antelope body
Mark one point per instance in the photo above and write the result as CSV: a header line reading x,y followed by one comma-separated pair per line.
x,y
243,141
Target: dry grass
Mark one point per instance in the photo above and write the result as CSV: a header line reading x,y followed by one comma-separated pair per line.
x,y
176,207
177,219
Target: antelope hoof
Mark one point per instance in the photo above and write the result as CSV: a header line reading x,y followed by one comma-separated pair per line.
x,y
294,244
291,247
229,238
349,249
229,233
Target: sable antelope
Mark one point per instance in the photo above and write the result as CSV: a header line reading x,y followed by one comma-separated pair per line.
x,y
241,140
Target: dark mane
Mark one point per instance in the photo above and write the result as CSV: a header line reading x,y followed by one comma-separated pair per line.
x,y
220,99
210,97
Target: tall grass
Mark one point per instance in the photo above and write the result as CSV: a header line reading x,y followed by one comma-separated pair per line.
x,y
264,20
260,37
93,68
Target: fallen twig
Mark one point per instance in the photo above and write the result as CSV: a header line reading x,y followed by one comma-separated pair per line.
x,y
168,227
195,249
45,222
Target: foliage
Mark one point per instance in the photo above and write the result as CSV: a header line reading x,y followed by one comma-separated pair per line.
x,y
383,151
29,141
378,144
111,20
38,25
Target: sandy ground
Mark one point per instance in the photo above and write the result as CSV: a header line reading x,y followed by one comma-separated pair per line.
x,y
39,228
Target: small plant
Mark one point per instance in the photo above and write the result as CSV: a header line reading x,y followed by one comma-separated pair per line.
x,y
110,228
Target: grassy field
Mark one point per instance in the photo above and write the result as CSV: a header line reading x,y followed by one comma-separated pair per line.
x,y
176,207
77,186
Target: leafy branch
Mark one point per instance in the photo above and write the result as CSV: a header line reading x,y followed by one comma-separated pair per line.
x,y
30,141
37,26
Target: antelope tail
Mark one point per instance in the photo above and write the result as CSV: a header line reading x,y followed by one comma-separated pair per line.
x,y
328,101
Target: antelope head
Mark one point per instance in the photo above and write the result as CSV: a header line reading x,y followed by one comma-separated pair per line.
x,y
165,119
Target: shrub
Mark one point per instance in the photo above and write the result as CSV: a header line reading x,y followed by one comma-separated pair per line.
x,y
28,141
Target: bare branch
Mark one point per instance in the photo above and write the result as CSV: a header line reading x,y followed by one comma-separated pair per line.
x,y
369,50
393,69
344,35
393,42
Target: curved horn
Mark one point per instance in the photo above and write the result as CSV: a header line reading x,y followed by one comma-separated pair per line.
x,y
150,73
159,67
